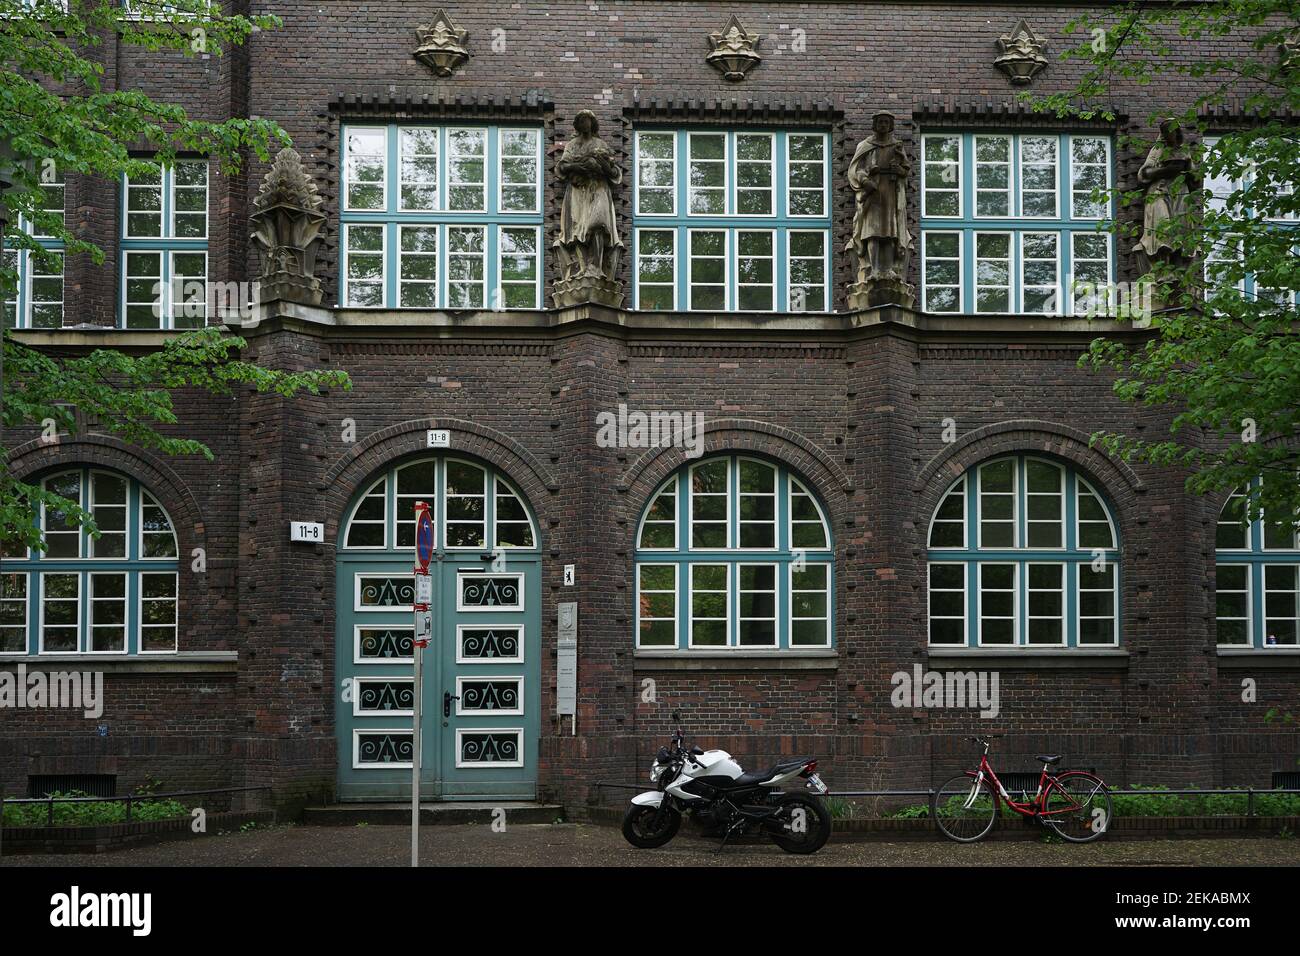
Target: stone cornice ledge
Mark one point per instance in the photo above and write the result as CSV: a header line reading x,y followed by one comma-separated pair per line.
x,y
183,662
678,660
1251,658
1045,658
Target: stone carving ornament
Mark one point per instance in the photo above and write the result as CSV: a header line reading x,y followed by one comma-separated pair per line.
x,y
588,243
442,45
287,221
1020,54
734,51
878,176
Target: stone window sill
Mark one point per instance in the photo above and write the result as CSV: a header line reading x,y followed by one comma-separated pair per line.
x,y
1037,658
183,662
1251,658
824,659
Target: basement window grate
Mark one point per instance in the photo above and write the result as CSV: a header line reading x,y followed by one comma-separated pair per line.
x,y
91,784
1286,779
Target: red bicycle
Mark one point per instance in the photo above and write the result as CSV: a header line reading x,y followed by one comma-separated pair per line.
x,y
1075,804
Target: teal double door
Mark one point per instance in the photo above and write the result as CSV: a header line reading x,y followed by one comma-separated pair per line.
x,y
481,699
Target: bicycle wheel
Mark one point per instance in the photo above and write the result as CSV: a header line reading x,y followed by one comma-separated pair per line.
x,y
965,808
1078,807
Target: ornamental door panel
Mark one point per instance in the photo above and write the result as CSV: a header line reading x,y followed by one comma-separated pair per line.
x,y
481,670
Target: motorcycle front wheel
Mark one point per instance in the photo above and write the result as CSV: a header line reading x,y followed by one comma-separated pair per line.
x,y
802,823
647,828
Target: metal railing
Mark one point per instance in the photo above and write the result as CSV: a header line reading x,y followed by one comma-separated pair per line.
x,y
129,799
1250,793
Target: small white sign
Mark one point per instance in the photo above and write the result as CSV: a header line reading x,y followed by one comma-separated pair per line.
x,y
566,659
424,589
439,438
306,531
568,575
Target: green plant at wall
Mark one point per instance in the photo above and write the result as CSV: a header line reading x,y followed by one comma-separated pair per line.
x,y
1226,360
57,113
90,814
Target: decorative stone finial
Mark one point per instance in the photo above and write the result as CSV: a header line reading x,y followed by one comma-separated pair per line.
x,y
734,50
287,221
1020,54
442,45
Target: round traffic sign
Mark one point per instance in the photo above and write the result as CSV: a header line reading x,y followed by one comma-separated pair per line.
x,y
423,535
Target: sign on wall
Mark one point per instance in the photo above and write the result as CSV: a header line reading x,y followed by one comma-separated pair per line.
x,y
566,660
306,531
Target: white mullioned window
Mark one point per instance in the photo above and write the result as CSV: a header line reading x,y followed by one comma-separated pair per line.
x,y
1257,576
164,247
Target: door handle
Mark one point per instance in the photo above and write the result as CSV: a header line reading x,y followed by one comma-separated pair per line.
x,y
447,698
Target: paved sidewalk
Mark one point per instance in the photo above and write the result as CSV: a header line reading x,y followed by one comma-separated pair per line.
x,y
588,845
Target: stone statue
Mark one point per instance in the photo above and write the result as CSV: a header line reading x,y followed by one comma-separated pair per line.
x,y
878,175
588,243
287,221
1171,181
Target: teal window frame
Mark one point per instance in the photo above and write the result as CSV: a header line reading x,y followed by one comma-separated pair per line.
x,y
19,311
781,223
787,560
495,222
972,558
967,225
1257,557
167,246
34,567
399,509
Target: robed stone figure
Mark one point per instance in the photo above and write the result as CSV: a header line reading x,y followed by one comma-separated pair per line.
x,y
588,244
1171,183
878,176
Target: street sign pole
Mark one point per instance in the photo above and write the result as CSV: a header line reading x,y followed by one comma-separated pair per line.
x,y
423,632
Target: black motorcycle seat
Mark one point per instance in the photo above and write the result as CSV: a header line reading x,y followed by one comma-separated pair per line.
x,y
758,776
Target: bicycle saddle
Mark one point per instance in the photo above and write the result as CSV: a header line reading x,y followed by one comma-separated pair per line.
x,y
1048,758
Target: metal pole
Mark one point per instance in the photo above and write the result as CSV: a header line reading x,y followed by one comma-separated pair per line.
x,y
418,653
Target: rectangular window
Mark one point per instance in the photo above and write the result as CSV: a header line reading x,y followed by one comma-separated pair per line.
x,y
1046,602
1232,604
655,282
164,247
62,534
997,604
810,601
948,603
766,242
757,595
656,622
456,225
13,613
756,270
1044,505
1233,531
998,504
1281,604
158,613
941,280
710,604
108,504
465,503
710,522
806,266
60,613
108,613
1029,240
35,300
757,505
1097,605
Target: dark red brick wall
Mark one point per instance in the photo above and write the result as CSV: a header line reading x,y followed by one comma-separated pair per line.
x,y
858,412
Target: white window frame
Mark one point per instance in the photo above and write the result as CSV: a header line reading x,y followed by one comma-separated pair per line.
x,y
965,521
802,491
775,619
393,765
346,254
125,601
1022,286
1059,494
1248,594
360,680
491,764
462,711
790,284
349,181
926,235
960,183
791,592
1062,591
1079,616
460,644
976,259
726,269
487,159
1080,484
1109,167
439,198
1014,591
1016,543
357,658
538,184
736,188
676,520
690,505
727,159
726,614
437,256
446,284
40,612
1011,166
965,603
352,517
499,295
466,573
1055,140
176,604
672,190
825,187
674,259
677,604
26,577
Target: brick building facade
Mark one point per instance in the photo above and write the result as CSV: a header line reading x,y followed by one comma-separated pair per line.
x,y
873,413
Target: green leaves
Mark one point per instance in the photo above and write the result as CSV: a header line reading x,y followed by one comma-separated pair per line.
x,y
1224,360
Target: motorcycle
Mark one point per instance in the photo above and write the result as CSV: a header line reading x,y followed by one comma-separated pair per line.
x,y
717,793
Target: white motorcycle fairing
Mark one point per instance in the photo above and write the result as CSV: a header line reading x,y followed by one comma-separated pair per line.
x,y
651,798
711,763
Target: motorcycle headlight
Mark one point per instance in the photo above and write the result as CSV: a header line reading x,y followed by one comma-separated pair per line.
x,y
656,771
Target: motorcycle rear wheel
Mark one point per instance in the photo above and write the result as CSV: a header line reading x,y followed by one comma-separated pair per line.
x,y
645,829
795,833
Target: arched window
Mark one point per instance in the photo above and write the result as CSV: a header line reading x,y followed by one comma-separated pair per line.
x,y
112,594
1023,553
734,553
1257,580
473,508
